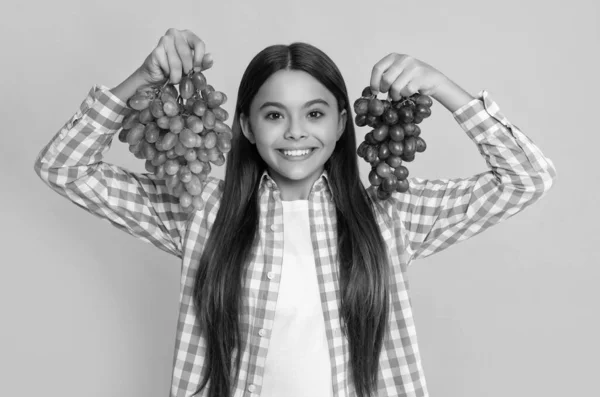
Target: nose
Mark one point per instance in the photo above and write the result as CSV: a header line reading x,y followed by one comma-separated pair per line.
x,y
294,131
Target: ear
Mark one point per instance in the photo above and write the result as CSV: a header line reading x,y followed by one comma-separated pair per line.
x,y
246,129
342,124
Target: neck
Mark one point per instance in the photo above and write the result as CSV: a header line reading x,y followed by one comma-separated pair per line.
x,y
294,189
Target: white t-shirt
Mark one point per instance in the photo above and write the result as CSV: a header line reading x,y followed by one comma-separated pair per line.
x,y
297,363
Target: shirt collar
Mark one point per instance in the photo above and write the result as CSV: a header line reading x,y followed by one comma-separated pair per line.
x,y
321,186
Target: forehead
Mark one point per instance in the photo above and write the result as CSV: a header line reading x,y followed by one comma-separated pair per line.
x,y
292,88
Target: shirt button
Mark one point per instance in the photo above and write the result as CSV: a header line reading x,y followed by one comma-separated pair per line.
x,y
251,388
269,184
274,227
262,332
270,275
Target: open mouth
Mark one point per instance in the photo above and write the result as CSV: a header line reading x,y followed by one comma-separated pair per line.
x,y
296,154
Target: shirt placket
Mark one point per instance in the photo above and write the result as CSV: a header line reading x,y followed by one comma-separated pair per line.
x,y
271,276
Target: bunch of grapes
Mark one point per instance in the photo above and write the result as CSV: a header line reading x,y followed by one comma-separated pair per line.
x,y
179,134
395,138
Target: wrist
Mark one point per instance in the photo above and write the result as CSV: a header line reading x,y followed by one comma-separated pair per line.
x,y
451,95
129,86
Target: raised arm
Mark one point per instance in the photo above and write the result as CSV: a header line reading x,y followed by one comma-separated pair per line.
x,y
435,214
71,163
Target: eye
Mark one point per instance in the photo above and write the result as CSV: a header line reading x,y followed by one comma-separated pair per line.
x,y
269,116
316,114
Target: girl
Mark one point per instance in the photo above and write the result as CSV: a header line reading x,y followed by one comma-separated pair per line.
x,y
294,275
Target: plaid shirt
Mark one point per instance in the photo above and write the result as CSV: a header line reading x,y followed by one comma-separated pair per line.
x,y
434,215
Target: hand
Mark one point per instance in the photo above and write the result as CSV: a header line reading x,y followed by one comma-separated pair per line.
x,y
177,53
403,75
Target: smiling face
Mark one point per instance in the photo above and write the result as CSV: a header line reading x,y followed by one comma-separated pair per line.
x,y
294,123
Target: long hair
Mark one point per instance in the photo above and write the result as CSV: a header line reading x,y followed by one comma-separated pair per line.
x,y
362,254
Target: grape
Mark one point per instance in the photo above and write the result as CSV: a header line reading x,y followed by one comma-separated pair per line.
x,y
401,172
370,139
409,129
381,133
209,120
423,111
405,114
160,172
390,117
123,135
394,161
394,138
186,87
206,90
136,134
185,174
156,108
171,108
220,113
199,108
131,119
361,120
361,106
382,194
163,122
198,203
371,154
383,170
215,99
187,138
420,145
146,116
224,144
149,167
180,133
159,159
194,186
220,160
179,149
139,102
424,100
151,132
410,146
171,154
396,133
376,107
195,165
402,186
169,141
374,178
199,81
384,151
417,131
389,183
149,151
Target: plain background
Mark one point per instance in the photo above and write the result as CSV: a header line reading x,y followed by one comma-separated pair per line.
x,y
87,309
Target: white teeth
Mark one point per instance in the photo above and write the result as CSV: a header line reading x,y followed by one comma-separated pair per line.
x,y
296,152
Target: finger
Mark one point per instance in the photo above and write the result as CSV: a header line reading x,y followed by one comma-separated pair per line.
x,y
378,70
207,61
185,53
175,68
159,58
404,86
198,48
390,76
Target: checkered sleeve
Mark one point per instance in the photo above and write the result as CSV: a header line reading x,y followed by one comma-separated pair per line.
x,y
439,213
137,203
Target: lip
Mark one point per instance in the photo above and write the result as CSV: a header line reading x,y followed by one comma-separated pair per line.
x,y
297,148
297,158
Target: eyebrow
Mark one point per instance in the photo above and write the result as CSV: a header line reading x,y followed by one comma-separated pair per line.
x,y
307,104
